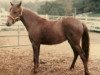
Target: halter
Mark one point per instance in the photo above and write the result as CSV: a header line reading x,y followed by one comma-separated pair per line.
x,y
18,17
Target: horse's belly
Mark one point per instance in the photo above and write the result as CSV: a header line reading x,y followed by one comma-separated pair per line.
x,y
53,40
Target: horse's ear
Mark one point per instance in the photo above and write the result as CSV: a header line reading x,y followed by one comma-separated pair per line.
x,y
11,3
19,4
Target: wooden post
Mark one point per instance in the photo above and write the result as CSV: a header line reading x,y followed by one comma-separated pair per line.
x,y
18,35
86,18
47,16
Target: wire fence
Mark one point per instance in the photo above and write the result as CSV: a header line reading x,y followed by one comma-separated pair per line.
x,y
13,33
19,33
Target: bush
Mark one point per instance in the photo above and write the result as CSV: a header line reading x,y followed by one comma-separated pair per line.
x,y
52,8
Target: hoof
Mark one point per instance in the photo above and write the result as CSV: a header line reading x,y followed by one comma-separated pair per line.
x,y
87,73
71,68
35,71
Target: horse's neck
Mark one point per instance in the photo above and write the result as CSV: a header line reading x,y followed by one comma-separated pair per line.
x,y
29,18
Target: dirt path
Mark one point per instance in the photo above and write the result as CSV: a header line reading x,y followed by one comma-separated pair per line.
x,y
54,60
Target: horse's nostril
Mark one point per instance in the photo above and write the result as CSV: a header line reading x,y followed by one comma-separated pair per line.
x,y
7,24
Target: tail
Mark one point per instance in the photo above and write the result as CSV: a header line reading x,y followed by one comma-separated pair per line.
x,y
85,41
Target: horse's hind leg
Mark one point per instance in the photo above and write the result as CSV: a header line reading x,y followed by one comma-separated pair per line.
x,y
75,57
77,47
82,55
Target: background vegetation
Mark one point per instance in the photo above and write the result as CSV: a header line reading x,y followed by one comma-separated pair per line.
x,y
61,7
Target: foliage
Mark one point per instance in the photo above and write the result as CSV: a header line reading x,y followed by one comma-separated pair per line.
x,y
79,5
83,6
31,5
52,8
94,14
68,6
59,7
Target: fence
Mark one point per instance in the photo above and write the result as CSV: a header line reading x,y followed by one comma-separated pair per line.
x,y
18,31
93,23
15,32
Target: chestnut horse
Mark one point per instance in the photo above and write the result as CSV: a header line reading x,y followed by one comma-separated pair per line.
x,y
42,31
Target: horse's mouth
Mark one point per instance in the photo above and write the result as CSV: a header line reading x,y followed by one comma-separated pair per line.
x,y
8,24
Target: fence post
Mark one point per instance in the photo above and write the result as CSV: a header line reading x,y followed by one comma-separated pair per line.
x,y
86,18
47,16
74,12
18,34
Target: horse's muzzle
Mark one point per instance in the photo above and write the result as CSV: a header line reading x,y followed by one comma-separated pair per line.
x,y
8,24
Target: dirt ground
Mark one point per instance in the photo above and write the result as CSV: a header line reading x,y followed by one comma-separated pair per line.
x,y
54,60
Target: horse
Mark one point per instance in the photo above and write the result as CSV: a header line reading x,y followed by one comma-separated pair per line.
x,y
50,32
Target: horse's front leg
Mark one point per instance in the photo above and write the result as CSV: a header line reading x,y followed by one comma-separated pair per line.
x,y
36,51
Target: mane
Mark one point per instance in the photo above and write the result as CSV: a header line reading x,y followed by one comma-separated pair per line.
x,y
33,15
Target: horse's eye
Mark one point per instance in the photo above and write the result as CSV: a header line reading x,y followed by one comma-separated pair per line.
x,y
15,12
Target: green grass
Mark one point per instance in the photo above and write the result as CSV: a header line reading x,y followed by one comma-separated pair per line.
x,y
94,15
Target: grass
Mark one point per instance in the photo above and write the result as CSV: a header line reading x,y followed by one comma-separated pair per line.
x,y
94,15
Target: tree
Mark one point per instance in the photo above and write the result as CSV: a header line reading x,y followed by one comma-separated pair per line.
x,y
87,5
79,5
67,4
92,5
32,6
51,8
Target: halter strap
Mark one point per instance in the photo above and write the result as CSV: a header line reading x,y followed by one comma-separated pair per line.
x,y
21,11
18,17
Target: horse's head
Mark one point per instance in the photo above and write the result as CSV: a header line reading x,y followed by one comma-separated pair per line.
x,y
15,13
